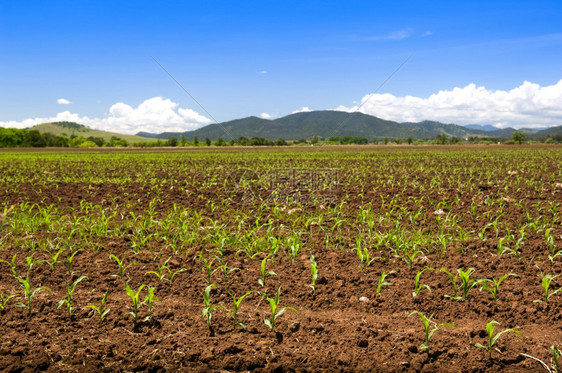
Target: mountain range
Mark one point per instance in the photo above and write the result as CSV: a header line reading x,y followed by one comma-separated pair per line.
x,y
325,124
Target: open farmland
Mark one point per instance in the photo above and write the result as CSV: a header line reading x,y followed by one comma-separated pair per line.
x,y
353,240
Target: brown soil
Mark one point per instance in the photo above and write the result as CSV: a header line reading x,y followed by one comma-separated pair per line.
x,y
344,325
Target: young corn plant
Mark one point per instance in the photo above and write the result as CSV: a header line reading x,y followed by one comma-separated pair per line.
x,y
122,266
410,258
264,273
235,306
418,286
314,272
546,281
100,310
69,259
427,322
225,269
69,292
382,281
493,285
29,293
4,301
555,358
492,339
208,309
275,311
54,258
136,299
161,275
466,282
149,300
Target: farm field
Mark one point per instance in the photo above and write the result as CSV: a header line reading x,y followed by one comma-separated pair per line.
x,y
192,249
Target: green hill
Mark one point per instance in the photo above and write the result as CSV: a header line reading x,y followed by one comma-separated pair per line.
x,y
325,124
68,129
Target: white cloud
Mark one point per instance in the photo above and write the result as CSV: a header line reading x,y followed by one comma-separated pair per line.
x,y
63,101
528,105
153,115
263,72
394,35
265,116
303,109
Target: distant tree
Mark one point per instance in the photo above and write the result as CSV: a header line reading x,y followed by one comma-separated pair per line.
x,y
386,140
182,140
99,141
208,141
314,140
195,140
518,137
410,141
220,141
34,138
374,140
172,141
441,139
280,142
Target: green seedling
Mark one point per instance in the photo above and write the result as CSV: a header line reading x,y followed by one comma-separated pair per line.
x,y
122,267
208,269
69,292
427,322
54,258
275,312
546,281
11,264
314,271
149,300
100,310
555,358
382,281
411,258
492,339
69,259
466,282
135,298
28,293
161,275
235,306
4,300
418,286
264,273
225,270
208,309
493,285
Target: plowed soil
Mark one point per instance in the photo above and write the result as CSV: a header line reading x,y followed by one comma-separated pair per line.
x,y
344,324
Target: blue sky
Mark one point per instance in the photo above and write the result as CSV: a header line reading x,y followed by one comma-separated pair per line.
x,y
91,61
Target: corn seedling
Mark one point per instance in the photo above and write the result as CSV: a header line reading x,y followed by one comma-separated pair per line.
x,y
264,273
100,310
69,292
224,269
149,300
382,281
418,286
135,298
275,312
161,275
466,282
4,300
122,267
314,271
492,339
28,293
69,259
54,258
208,309
555,358
235,306
493,285
410,258
427,322
546,281
11,264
